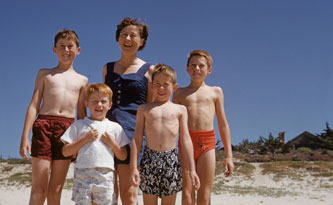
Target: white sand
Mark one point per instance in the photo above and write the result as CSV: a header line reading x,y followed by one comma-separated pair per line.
x,y
259,189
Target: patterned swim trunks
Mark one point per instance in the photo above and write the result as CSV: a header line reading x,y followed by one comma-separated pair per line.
x,y
93,185
160,172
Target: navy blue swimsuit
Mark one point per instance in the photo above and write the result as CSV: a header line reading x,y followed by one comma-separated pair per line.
x,y
129,91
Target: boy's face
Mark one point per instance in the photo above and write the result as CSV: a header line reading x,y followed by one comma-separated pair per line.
x,y
66,50
98,106
129,39
162,87
198,68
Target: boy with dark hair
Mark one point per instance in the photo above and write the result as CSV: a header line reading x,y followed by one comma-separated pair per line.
x,y
61,91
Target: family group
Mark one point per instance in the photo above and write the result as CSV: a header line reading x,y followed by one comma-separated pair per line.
x,y
134,136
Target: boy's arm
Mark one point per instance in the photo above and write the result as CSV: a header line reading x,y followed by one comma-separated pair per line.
x,y
81,109
109,140
224,132
187,148
104,73
32,111
136,145
70,149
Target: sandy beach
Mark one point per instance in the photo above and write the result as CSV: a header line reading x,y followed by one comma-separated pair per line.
x,y
256,188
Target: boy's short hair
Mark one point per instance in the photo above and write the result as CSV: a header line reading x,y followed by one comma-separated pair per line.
x,y
202,53
143,29
100,88
67,34
166,70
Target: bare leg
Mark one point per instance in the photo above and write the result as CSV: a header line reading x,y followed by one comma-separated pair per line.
x,y
115,186
169,200
57,179
206,172
149,199
188,191
40,179
128,192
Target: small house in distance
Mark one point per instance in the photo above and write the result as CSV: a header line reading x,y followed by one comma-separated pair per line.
x,y
306,139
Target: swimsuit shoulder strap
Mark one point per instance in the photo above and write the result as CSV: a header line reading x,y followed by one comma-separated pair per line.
x,y
143,69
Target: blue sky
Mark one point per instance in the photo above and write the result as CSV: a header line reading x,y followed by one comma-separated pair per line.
x,y
273,59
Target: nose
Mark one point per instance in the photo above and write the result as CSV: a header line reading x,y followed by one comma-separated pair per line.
x,y
196,67
128,37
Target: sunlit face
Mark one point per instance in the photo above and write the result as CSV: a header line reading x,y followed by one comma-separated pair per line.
x,y
98,106
66,50
129,39
198,68
162,87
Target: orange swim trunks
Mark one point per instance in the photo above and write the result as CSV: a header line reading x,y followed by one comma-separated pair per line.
x,y
203,141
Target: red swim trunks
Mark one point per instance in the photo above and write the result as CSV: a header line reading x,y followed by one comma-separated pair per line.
x,y
46,133
203,141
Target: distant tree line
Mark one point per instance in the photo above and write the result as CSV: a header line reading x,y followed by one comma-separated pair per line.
x,y
275,145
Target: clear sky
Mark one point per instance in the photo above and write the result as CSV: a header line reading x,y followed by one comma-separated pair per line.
x,y
273,59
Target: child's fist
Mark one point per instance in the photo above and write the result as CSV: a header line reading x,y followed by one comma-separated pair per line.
x,y
92,135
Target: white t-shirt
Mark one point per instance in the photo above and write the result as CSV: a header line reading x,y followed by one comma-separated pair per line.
x,y
95,153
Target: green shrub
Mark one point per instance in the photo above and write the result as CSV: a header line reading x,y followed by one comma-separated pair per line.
x,y
304,150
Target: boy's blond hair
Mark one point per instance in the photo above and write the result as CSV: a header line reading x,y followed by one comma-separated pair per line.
x,y
202,53
166,70
67,34
101,88
143,29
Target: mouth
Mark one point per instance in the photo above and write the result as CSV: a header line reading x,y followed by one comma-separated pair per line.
x,y
98,111
161,94
127,45
66,55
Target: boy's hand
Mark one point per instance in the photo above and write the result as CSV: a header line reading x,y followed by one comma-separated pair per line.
x,y
107,139
91,135
25,146
195,180
135,177
228,167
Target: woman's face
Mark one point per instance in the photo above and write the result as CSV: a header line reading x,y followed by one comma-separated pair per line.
x,y
129,39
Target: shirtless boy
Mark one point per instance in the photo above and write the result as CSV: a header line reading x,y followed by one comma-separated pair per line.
x,y
161,121
202,102
61,90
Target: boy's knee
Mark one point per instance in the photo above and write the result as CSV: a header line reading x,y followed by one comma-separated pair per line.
x,y
39,192
54,193
204,198
38,196
203,201
128,196
187,198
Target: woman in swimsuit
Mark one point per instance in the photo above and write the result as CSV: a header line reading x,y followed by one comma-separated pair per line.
x,y
128,78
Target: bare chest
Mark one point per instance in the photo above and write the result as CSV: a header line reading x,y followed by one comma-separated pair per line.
x,y
66,83
200,99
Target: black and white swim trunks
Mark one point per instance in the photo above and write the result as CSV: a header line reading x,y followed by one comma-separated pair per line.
x,y
160,172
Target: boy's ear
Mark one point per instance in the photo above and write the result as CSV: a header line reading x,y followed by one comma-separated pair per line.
x,y
210,70
86,103
54,49
78,51
110,105
175,86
